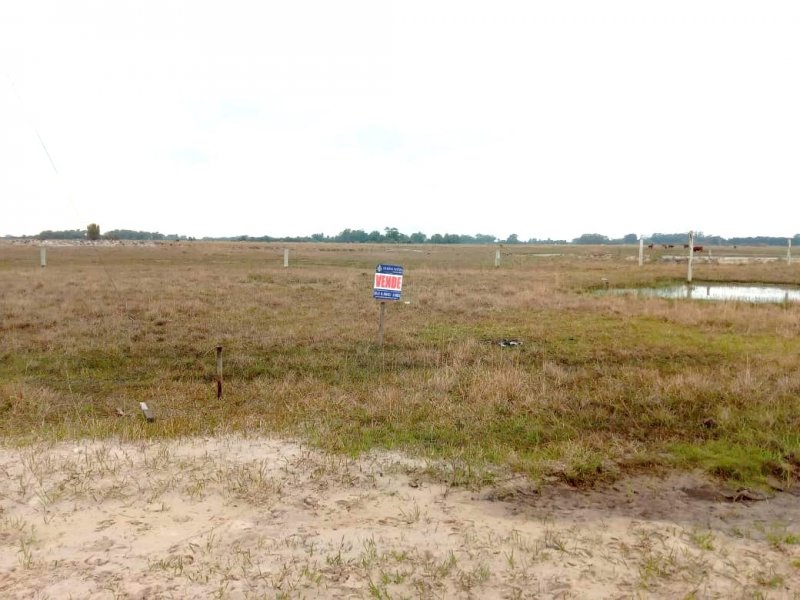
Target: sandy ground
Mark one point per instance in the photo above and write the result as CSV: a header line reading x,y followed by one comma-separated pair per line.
x,y
231,517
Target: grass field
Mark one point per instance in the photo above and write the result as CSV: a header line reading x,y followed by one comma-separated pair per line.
x,y
601,385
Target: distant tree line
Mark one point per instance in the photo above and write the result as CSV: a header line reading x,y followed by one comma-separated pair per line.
x,y
391,235
67,234
128,234
683,237
92,232
716,240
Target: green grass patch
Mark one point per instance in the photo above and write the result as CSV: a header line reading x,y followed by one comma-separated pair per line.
x,y
740,464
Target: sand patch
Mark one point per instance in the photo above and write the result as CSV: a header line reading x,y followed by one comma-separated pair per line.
x,y
251,518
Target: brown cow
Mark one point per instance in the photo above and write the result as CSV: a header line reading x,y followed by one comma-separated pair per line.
x,y
697,248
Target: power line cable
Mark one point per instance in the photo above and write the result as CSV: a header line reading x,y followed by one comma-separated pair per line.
x,y
58,177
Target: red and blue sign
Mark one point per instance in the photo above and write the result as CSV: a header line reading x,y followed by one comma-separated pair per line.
x,y
388,282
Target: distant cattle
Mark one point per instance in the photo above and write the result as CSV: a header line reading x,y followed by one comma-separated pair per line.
x,y
650,246
686,246
670,245
697,248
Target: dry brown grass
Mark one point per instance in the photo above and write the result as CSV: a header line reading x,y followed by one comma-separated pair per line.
x,y
599,382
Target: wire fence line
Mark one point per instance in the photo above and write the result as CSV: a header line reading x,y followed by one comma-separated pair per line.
x,y
88,382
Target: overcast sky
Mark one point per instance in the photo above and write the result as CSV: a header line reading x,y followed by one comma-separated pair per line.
x,y
545,119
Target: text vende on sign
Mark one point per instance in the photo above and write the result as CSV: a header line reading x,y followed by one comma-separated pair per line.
x,y
388,282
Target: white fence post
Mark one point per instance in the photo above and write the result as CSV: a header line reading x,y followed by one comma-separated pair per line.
x,y
641,250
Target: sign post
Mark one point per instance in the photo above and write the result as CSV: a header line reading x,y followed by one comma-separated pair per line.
x,y
388,284
380,323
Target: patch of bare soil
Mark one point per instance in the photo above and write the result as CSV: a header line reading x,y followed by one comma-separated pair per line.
x,y
233,517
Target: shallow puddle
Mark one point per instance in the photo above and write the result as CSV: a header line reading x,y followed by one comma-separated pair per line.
x,y
742,293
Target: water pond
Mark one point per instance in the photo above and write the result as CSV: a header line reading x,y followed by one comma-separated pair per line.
x,y
715,291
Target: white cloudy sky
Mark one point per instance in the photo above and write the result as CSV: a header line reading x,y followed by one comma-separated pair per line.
x,y
545,119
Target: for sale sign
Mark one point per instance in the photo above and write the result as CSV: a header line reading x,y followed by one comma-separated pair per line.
x,y
388,282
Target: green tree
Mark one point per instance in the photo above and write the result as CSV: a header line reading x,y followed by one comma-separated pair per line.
x,y
630,238
591,238
353,235
392,234
93,231
484,238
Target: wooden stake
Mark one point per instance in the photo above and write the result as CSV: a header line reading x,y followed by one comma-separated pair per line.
x,y
43,257
789,250
641,251
380,324
691,255
497,258
219,372
285,258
